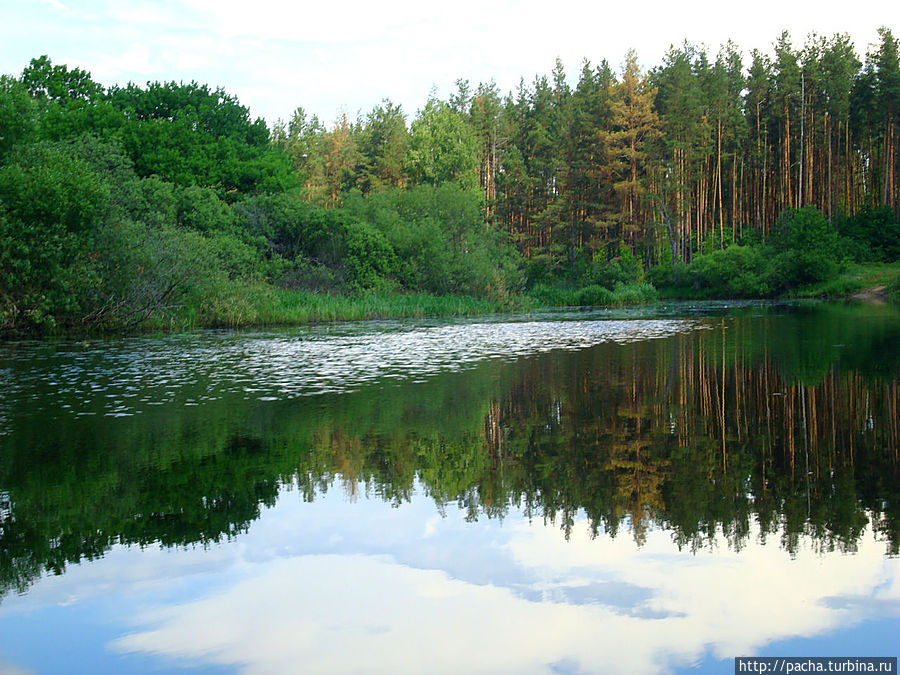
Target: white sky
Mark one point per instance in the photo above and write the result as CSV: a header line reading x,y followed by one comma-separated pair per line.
x,y
330,57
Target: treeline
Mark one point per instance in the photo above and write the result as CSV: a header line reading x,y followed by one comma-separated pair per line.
x,y
698,152
169,205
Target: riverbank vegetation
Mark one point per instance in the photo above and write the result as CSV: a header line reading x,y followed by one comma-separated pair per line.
x,y
168,205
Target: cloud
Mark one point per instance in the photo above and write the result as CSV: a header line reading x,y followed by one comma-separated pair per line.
x,y
411,591
10,669
397,619
599,604
325,57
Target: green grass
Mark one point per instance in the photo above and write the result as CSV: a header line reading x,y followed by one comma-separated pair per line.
x,y
595,296
855,279
248,305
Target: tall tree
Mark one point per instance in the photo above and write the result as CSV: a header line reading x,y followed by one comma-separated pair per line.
x,y
486,110
839,67
341,159
442,147
304,141
888,94
383,141
634,124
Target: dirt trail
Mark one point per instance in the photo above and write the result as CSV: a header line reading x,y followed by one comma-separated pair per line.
x,y
873,294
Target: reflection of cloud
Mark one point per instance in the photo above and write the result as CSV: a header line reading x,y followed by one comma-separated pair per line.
x,y
9,669
371,587
595,604
398,619
59,7
737,601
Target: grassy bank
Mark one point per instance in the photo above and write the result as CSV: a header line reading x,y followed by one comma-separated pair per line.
x,y
878,278
594,295
263,305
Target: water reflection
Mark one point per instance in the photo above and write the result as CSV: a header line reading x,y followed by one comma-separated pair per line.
x,y
455,596
657,482
123,377
401,618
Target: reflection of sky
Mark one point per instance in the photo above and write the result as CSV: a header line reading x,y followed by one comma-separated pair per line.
x,y
332,586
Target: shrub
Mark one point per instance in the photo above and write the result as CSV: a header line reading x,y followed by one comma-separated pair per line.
x,y
440,239
51,203
549,296
633,294
805,229
624,269
358,255
594,295
736,271
873,235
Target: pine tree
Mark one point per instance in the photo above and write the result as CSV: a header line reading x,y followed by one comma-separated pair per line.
x,y
634,124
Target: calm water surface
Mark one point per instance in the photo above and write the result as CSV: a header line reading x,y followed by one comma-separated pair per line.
x,y
638,491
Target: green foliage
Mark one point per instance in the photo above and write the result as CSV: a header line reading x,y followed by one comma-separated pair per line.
x,y
357,254
803,250
383,147
442,147
440,240
18,115
50,205
593,295
140,275
58,84
872,235
806,247
804,230
201,209
555,281
624,269
736,271
190,134
167,205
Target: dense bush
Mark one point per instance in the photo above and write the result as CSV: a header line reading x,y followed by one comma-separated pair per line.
x,y
440,240
806,249
803,249
593,296
18,115
872,235
623,269
736,271
50,205
357,255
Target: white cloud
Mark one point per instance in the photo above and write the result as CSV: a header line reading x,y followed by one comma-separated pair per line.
x,y
410,591
325,56
56,5
307,609
10,669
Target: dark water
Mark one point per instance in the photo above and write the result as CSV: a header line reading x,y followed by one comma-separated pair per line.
x,y
641,491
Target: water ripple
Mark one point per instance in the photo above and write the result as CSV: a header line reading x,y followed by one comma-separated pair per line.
x,y
124,376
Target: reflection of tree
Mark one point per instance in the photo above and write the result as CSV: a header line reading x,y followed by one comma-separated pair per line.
x,y
699,433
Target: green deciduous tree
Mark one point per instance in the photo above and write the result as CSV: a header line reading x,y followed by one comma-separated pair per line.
x,y
442,147
50,205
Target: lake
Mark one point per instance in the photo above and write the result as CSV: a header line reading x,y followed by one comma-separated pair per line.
x,y
647,490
